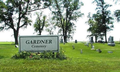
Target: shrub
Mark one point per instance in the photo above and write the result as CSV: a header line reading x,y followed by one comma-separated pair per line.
x,y
61,55
38,55
22,55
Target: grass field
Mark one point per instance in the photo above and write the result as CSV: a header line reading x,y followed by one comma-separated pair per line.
x,y
88,61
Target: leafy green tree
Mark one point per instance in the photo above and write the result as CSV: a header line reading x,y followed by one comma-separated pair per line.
x,y
40,23
117,12
95,26
69,31
117,15
50,30
50,26
116,1
92,26
106,18
14,14
65,12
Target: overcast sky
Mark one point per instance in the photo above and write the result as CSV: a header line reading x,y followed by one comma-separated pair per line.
x,y
81,29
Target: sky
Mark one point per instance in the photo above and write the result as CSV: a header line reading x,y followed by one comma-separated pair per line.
x,y
81,27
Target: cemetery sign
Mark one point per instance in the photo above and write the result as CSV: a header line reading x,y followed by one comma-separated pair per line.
x,y
39,43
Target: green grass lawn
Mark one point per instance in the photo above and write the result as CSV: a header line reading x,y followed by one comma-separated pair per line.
x,y
88,61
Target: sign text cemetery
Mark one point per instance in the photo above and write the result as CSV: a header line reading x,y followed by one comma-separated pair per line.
x,y
39,43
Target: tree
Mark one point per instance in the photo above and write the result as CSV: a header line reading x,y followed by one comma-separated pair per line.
x,y
116,1
117,15
50,26
117,12
14,14
65,12
106,18
95,26
40,23
69,31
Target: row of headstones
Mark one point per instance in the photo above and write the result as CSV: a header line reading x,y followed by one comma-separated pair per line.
x,y
110,41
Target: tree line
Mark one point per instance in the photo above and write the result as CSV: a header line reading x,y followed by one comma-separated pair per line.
x,y
15,14
102,21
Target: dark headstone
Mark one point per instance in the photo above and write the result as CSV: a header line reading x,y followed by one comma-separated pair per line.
x,y
99,50
91,39
75,41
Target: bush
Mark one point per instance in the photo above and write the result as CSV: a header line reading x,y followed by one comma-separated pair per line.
x,y
38,55
61,55
22,55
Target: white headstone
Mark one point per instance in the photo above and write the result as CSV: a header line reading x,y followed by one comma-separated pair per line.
x,y
81,51
110,41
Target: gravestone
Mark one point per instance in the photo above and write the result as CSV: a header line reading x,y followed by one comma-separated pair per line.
x,y
91,41
73,46
81,51
75,41
93,48
110,51
87,44
61,41
99,50
110,41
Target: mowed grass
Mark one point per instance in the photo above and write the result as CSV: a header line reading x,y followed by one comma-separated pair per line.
x,y
88,61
